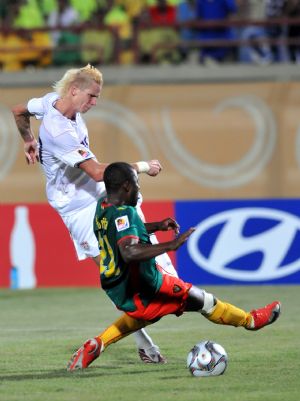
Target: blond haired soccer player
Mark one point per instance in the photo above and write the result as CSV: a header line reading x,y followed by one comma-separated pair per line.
x,y
74,177
132,278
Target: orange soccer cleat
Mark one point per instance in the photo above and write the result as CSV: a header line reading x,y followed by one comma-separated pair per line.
x,y
265,316
85,355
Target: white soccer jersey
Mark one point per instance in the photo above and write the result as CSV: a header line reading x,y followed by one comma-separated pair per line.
x,y
63,145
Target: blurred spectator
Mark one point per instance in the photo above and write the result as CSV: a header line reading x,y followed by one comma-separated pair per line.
x,y
159,39
292,10
63,15
275,9
86,8
28,48
259,53
218,10
28,15
118,18
162,13
186,13
134,8
98,45
66,43
170,2
173,2
4,6
47,6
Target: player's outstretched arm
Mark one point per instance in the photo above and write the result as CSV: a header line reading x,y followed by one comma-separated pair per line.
x,y
133,251
96,169
22,118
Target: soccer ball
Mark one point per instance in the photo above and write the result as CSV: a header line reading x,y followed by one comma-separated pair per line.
x,y
207,358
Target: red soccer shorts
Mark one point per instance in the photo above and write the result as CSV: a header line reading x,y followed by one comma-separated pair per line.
x,y
170,299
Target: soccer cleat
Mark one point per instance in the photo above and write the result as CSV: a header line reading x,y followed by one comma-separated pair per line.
x,y
85,355
151,355
264,316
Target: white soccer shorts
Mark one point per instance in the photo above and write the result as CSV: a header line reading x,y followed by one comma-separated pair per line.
x,y
80,226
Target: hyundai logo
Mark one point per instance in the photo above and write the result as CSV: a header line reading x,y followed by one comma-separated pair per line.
x,y
247,244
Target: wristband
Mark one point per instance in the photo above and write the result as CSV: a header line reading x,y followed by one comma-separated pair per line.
x,y
143,167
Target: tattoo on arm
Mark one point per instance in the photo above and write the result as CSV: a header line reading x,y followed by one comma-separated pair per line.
x,y
23,123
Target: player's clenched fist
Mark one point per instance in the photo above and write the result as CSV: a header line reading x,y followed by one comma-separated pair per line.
x,y
154,167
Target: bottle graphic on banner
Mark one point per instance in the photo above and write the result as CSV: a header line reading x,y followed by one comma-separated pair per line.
x,y
14,278
22,251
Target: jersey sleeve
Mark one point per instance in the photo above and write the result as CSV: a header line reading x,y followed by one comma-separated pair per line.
x,y
126,223
77,156
35,106
39,106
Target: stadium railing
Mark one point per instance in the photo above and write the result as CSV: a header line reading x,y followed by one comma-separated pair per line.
x,y
8,49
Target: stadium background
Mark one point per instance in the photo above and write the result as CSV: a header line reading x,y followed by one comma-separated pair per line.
x,y
227,134
231,140
226,131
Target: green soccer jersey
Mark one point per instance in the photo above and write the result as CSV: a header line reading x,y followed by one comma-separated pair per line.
x,y
121,280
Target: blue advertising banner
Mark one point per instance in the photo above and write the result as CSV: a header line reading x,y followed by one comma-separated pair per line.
x,y
240,241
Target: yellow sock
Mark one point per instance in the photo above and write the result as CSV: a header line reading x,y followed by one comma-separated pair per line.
x,y
122,327
224,313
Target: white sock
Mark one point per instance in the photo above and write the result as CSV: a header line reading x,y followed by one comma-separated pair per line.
x,y
142,339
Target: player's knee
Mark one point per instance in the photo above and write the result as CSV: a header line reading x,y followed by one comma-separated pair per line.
x,y
200,300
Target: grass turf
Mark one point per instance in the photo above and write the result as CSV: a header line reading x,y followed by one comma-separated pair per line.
x,y
41,329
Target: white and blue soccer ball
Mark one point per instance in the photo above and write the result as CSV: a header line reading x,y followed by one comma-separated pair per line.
x,y
207,358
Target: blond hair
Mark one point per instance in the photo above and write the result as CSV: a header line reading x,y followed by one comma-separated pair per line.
x,y
81,77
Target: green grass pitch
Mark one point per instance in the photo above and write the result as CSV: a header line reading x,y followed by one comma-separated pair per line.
x,y
40,329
